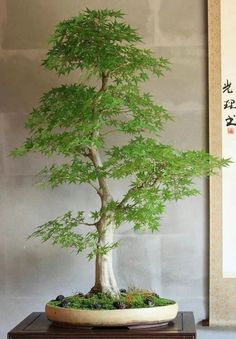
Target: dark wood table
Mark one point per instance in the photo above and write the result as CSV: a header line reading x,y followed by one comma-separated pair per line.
x,y
36,326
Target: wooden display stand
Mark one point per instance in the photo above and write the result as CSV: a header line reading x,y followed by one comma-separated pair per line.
x,y
36,326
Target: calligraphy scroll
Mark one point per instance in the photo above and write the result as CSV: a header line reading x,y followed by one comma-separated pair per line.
x,y
222,112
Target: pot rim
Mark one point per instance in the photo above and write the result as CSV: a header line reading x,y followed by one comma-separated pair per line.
x,y
141,309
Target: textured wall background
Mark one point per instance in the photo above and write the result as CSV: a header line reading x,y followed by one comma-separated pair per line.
x,y
173,262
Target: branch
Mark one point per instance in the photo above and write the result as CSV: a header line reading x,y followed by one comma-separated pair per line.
x,y
111,131
126,197
127,111
133,189
104,82
88,224
95,187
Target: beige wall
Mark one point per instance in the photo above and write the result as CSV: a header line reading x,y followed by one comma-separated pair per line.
x,y
176,266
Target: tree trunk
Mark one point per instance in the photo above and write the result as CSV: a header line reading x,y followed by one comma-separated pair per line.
x,y
104,276
105,280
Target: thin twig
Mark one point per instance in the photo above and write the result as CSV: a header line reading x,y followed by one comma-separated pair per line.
x,y
109,132
95,187
88,224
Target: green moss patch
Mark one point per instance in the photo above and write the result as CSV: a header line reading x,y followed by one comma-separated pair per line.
x,y
128,299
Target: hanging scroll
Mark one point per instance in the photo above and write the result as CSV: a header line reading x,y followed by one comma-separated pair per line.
x,y
222,112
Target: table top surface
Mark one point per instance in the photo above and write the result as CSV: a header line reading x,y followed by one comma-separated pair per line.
x,y
37,323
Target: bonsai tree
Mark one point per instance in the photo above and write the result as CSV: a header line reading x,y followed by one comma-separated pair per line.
x,y
72,121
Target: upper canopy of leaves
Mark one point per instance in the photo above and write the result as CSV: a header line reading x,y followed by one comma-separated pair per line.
x,y
99,41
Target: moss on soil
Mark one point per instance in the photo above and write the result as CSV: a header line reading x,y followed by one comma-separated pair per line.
x,y
132,298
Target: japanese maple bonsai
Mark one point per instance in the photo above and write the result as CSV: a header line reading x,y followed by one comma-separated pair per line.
x,y
72,121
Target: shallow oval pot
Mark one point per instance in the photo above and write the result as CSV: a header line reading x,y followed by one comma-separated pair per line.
x,y
125,317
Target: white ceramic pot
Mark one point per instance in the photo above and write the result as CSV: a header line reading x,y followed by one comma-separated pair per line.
x,y
124,317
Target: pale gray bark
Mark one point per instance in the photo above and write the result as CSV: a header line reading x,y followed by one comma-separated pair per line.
x,y
105,280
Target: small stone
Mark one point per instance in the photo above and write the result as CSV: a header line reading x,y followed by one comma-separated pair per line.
x,y
96,306
60,298
65,303
149,302
79,294
123,291
119,305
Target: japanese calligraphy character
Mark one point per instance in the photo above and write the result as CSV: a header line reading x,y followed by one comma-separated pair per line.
x,y
229,104
226,87
229,121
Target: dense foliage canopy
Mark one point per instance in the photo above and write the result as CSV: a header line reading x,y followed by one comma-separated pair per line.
x,y
72,121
